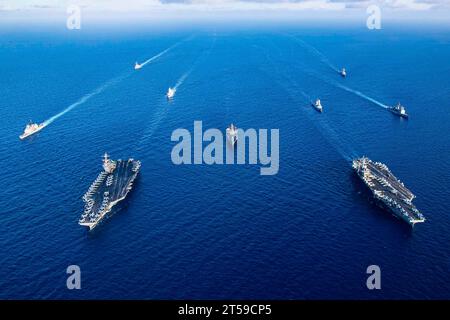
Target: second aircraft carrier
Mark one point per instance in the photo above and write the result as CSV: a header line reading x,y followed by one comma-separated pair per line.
x,y
389,192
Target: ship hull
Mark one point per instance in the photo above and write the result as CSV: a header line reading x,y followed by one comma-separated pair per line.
x,y
318,109
381,204
401,115
91,226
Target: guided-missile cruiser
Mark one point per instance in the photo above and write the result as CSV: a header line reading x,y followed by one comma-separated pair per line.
x,y
317,105
232,134
389,192
137,66
170,93
30,129
111,186
343,73
399,110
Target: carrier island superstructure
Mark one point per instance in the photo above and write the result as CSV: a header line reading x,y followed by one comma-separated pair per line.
x,y
388,191
110,187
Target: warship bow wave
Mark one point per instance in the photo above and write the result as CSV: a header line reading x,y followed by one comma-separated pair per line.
x,y
389,192
111,186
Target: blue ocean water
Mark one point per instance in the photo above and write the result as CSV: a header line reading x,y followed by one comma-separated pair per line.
x,y
210,232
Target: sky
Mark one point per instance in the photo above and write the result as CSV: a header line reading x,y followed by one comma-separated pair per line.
x,y
246,9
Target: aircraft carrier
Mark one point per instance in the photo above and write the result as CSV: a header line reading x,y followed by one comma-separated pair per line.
x,y
389,192
111,186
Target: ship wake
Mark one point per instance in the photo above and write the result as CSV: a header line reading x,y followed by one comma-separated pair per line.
x,y
362,95
161,112
319,122
85,98
159,55
345,88
182,79
317,53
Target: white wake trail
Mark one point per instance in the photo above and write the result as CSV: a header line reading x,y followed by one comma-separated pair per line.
x,y
104,86
186,74
315,51
163,109
182,79
158,55
341,86
163,52
362,95
83,100
160,113
343,148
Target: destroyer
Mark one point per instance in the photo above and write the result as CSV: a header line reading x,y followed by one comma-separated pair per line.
x,y
317,105
170,93
389,192
399,110
31,129
111,186
232,134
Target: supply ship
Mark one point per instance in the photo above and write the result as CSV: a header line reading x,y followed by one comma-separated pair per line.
x,y
111,186
388,191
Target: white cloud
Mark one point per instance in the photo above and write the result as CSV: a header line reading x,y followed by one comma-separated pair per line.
x,y
212,5
177,10
216,5
409,4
